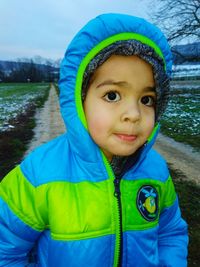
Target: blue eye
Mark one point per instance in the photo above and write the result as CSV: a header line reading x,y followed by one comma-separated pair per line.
x,y
148,101
112,96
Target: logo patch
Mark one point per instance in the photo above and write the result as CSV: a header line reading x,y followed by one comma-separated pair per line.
x,y
147,202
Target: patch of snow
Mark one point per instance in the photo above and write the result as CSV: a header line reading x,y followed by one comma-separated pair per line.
x,y
186,70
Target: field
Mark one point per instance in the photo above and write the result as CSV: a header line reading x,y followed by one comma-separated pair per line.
x,y
182,117
189,201
182,123
18,103
15,98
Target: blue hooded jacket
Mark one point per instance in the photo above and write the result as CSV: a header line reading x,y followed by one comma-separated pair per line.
x,y
61,197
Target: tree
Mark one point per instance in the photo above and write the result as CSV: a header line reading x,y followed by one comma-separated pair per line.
x,y
179,19
2,76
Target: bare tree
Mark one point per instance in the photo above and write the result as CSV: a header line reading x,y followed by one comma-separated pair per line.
x,y
178,18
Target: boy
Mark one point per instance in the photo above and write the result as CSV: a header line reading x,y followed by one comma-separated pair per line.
x,y
100,195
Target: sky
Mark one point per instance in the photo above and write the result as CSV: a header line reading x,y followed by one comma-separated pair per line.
x,y
30,28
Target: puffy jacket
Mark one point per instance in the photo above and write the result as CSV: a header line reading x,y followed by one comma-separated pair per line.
x,y
64,199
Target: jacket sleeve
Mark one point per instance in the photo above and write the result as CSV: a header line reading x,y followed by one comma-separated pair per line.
x,y
20,222
173,234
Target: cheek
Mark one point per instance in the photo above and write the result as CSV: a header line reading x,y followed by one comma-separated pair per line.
x,y
150,123
97,124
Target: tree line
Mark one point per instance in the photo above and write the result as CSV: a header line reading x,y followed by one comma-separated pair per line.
x,y
29,72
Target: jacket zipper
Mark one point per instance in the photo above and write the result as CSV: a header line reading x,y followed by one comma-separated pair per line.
x,y
117,194
118,220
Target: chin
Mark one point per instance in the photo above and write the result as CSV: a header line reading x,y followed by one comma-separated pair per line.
x,y
125,153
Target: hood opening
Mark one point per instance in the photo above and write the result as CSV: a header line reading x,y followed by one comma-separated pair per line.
x,y
90,56
124,44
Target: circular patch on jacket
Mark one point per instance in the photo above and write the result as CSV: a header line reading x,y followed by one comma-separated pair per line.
x,y
147,202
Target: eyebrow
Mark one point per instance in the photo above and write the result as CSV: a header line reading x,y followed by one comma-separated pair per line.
x,y
111,82
124,84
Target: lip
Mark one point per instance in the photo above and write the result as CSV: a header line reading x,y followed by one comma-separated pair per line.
x,y
126,137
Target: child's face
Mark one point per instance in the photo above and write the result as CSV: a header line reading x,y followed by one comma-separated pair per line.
x,y
120,105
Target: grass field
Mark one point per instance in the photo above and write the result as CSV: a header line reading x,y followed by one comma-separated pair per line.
x,y
181,120
18,103
182,123
189,201
15,98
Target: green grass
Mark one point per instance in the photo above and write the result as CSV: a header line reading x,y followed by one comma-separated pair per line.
x,y
181,120
14,141
10,89
189,199
15,97
182,123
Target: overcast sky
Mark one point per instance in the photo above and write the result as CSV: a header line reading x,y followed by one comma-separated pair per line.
x,y
45,27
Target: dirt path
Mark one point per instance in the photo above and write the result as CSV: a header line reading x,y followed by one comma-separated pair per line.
x,y
49,123
180,157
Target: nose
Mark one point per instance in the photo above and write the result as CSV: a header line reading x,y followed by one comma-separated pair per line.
x,y
131,113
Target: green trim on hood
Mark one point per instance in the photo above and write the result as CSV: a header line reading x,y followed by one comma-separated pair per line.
x,y
93,52
155,130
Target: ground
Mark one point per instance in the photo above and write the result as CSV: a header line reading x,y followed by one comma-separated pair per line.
x,y
49,123
180,157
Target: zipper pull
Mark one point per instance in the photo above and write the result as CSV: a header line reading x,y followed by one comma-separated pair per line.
x,y
117,187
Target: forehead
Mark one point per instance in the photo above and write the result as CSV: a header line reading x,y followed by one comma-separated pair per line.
x,y
124,67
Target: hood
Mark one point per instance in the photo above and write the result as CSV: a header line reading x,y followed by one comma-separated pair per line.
x,y
99,33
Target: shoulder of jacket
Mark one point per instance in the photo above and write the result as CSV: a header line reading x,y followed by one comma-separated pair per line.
x,y
45,163
153,166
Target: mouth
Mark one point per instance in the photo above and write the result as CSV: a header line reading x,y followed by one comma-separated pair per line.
x,y
126,137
